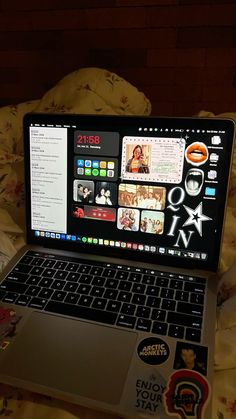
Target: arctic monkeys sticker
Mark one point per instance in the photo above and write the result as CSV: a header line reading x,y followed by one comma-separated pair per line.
x,y
153,351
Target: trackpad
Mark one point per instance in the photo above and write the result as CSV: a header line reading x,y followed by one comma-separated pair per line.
x,y
72,356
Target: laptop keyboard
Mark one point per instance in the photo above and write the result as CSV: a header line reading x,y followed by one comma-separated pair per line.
x,y
150,301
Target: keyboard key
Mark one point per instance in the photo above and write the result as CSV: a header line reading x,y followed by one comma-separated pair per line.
x,y
84,269
167,293
124,296
149,279
58,285
159,315
188,308
125,285
71,286
193,287
110,294
177,285
23,300
49,263
138,299
197,298
151,290
153,302
122,275
84,289
111,283
27,259
85,279
113,306
37,261
85,300
23,268
73,277
10,286
46,282
128,309
2,294
168,304
99,303
58,295
17,277
162,281
49,272
33,280
71,298
159,328
144,325
10,297
193,335
139,288
126,321
109,273
135,277
61,275
182,296
176,331
37,270
72,267
87,313
60,265
184,320
97,291
45,293
98,281
38,303
143,312
96,270
33,291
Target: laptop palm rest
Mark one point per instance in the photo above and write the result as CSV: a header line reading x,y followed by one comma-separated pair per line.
x,y
72,356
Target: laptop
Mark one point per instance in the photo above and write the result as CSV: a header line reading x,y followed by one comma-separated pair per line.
x,y
112,302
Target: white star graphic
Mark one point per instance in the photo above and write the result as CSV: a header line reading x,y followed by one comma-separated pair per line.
x,y
196,217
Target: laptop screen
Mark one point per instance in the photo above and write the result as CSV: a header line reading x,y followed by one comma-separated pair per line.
x,y
142,188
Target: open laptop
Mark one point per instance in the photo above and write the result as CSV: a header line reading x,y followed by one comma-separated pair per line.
x,y
112,302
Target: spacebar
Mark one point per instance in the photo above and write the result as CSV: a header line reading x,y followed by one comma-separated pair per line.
x,y
81,312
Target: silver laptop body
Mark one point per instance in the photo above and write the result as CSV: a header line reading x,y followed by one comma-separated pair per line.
x,y
112,303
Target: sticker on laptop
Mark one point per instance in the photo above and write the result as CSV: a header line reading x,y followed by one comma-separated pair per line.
x,y
153,351
8,323
192,357
143,395
187,395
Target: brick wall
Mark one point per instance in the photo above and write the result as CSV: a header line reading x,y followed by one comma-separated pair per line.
x,y
181,53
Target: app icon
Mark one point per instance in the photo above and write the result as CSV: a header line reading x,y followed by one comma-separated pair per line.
x,y
88,163
212,174
103,164
214,157
112,243
100,241
103,173
87,172
80,171
73,238
37,233
80,163
84,239
47,234
117,244
123,244
68,237
58,236
95,172
110,173
106,242
95,241
53,235
210,191
111,165
63,236
216,140
90,240
95,164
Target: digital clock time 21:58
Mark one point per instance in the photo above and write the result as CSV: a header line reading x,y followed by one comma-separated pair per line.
x,y
88,139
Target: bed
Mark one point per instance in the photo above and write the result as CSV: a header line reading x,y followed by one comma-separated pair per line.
x,y
98,91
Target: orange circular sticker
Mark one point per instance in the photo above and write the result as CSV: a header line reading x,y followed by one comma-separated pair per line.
x,y
196,153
